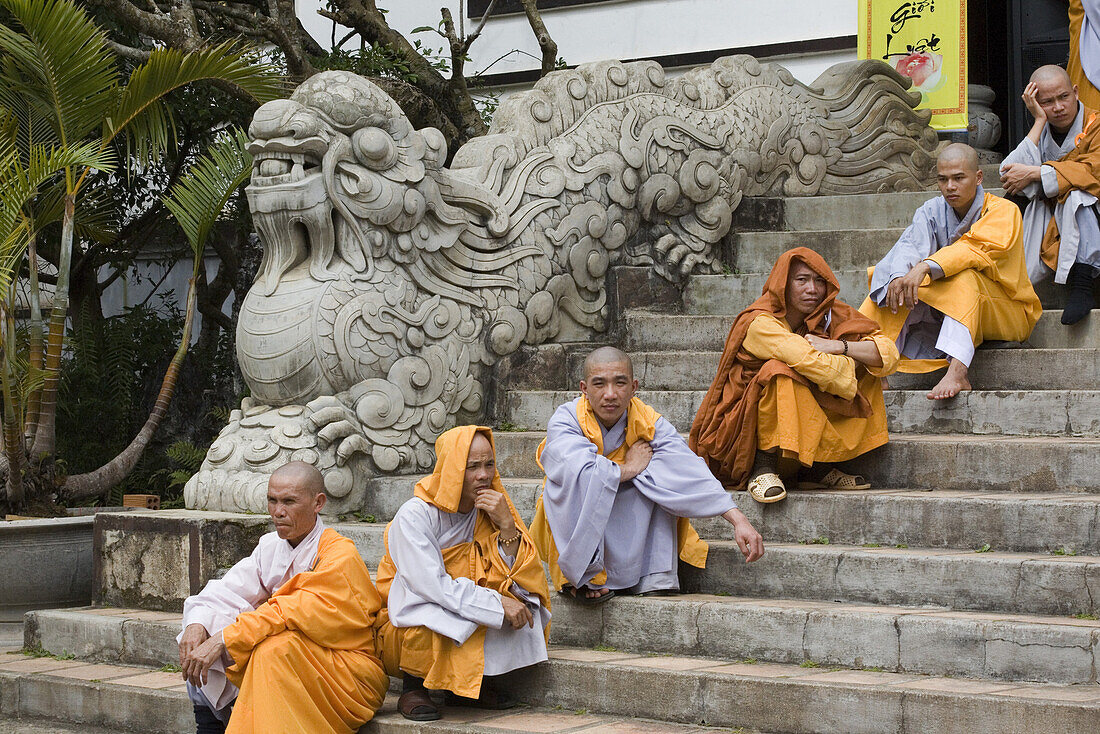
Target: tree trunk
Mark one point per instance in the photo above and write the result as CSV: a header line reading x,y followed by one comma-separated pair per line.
x,y
13,428
97,483
45,437
35,340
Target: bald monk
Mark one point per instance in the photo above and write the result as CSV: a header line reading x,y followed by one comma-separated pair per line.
x,y
289,631
797,386
1084,50
1057,167
620,483
955,278
466,596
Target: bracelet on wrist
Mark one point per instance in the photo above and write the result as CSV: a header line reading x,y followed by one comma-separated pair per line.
x,y
513,539
845,343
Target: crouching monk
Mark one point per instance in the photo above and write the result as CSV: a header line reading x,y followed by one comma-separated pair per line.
x,y
620,485
956,277
465,589
289,631
798,380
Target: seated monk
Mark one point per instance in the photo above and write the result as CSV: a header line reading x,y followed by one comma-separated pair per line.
x,y
620,485
466,596
956,277
798,381
1057,167
289,631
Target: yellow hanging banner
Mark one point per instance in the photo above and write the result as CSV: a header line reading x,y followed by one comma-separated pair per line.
x,y
924,40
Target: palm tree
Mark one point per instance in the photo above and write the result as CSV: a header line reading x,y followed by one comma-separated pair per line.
x,y
196,201
60,82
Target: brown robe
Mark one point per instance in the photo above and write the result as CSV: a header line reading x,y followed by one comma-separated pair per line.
x,y
725,428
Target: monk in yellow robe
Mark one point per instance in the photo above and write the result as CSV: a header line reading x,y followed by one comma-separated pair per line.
x,y
798,381
289,631
1084,49
955,277
1057,168
466,596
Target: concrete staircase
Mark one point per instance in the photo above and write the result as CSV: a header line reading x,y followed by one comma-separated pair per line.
x,y
962,594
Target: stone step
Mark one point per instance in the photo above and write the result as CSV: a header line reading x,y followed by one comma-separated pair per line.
x,y
991,369
731,294
809,697
1063,523
948,461
1013,413
855,211
143,699
926,640
646,332
756,252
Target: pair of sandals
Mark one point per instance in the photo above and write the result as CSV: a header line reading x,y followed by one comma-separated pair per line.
x,y
580,594
417,704
767,487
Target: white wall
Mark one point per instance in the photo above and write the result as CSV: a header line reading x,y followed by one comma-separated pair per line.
x,y
629,29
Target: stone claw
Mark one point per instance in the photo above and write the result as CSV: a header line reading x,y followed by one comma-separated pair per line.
x,y
337,431
350,446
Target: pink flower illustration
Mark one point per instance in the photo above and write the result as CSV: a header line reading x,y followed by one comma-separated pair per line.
x,y
923,67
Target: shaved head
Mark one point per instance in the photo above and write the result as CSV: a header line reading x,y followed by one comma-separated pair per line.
x,y
301,475
1051,73
960,153
605,356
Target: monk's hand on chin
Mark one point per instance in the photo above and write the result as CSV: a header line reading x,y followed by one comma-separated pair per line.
x,y
516,613
493,504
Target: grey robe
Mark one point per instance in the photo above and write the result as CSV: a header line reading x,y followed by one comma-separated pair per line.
x,y
424,594
1077,222
627,529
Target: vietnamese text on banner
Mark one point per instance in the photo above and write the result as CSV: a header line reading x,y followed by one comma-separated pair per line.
x,y
924,40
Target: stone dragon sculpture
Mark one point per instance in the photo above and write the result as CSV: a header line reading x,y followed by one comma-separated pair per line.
x,y
390,284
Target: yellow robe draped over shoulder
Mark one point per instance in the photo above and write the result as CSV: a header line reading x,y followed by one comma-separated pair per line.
x,y
984,286
439,660
306,659
788,416
641,424
1086,92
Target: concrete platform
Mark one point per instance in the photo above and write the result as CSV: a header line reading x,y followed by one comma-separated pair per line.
x,y
684,690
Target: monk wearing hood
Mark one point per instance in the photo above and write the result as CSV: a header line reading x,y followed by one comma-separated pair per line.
x,y
798,380
465,591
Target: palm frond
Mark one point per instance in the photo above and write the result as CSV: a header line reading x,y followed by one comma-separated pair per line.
x,y
68,70
200,196
140,113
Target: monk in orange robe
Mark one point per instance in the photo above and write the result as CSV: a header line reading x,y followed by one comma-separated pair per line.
x,y
466,595
798,380
289,631
1083,57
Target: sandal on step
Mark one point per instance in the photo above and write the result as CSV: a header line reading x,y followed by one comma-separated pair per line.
x,y
761,485
581,595
417,705
836,479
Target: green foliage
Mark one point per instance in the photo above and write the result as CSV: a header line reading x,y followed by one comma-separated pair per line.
x,y
809,664
381,61
984,549
1063,551
1085,615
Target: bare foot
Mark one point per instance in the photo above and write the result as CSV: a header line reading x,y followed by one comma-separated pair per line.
x,y
954,381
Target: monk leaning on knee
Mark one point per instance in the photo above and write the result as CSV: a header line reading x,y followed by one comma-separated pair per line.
x,y
955,278
798,380
1057,167
466,596
620,485
289,631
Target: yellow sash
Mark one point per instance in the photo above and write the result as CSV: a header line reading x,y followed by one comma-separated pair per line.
x,y
641,424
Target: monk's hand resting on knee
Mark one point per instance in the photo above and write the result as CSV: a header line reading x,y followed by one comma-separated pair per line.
x,y
1016,176
903,291
516,613
637,459
193,636
201,658
748,539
